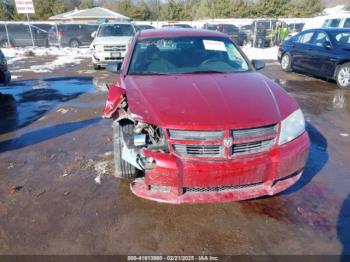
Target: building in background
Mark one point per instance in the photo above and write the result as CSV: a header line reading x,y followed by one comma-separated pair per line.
x,y
95,14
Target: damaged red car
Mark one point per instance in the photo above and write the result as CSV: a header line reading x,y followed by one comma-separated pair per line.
x,y
195,123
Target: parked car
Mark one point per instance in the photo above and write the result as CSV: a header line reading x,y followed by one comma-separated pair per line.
x,y
72,35
177,25
111,43
187,123
229,29
337,21
320,52
5,76
19,35
143,27
245,34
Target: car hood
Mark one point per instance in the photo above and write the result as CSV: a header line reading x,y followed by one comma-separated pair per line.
x,y
208,101
112,40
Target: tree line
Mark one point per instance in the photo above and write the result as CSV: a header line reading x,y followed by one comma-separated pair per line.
x,y
173,9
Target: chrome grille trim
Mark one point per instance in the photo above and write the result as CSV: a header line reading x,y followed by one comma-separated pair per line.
x,y
117,48
254,132
195,135
252,147
218,189
199,150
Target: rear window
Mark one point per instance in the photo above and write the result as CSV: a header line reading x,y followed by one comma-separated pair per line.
x,y
109,30
342,39
325,24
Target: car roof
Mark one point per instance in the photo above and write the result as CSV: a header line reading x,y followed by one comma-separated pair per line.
x,y
329,29
178,32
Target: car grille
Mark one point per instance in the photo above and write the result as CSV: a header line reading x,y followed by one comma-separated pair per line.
x,y
117,48
254,132
252,147
200,150
195,135
218,189
213,143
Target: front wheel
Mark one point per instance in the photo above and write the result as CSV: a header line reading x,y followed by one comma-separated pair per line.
x,y
122,168
342,75
286,63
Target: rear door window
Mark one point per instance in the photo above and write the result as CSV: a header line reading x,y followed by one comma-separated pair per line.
x,y
320,38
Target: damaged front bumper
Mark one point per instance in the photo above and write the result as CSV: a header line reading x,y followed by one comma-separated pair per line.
x,y
177,180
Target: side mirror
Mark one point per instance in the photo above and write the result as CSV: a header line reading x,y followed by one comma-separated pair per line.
x,y
258,64
327,44
93,34
114,67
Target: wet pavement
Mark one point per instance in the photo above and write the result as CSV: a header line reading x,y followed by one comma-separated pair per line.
x,y
54,144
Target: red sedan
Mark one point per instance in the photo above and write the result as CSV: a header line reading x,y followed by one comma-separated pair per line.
x,y
195,123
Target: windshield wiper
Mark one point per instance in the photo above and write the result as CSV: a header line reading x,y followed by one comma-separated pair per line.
x,y
148,73
205,72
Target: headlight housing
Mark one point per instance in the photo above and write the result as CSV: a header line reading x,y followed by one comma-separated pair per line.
x,y
292,127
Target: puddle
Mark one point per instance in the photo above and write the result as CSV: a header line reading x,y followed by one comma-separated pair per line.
x,y
35,98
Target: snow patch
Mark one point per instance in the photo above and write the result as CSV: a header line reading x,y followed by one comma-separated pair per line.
x,y
261,53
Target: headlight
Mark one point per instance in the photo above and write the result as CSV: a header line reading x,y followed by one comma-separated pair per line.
x,y
292,127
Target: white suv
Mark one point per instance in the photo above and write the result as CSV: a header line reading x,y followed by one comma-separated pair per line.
x,y
111,41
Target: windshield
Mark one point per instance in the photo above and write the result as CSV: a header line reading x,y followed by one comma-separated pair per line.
x,y
342,39
186,55
115,30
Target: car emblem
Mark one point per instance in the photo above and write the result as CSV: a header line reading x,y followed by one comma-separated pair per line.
x,y
228,142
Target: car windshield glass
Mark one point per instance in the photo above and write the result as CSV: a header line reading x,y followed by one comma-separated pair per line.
x,y
186,55
115,30
342,39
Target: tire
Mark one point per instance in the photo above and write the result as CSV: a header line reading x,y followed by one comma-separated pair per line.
x,y
342,76
122,168
74,43
286,63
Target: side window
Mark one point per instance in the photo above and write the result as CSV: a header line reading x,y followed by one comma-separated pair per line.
x,y
335,22
320,38
347,23
325,24
304,38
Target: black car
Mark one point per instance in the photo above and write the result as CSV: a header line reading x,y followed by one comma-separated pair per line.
x,y
229,29
72,35
19,34
5,76
321,52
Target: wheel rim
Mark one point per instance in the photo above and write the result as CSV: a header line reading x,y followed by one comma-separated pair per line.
x,y
344,76
285,61
74,44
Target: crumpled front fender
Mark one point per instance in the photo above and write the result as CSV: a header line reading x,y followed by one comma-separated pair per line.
x,y
115,98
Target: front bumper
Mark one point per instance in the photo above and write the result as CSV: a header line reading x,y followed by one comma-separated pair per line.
x,y
104,58
176,180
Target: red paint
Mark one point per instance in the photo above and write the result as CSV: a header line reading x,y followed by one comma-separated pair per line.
x,y
115,97
210,102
